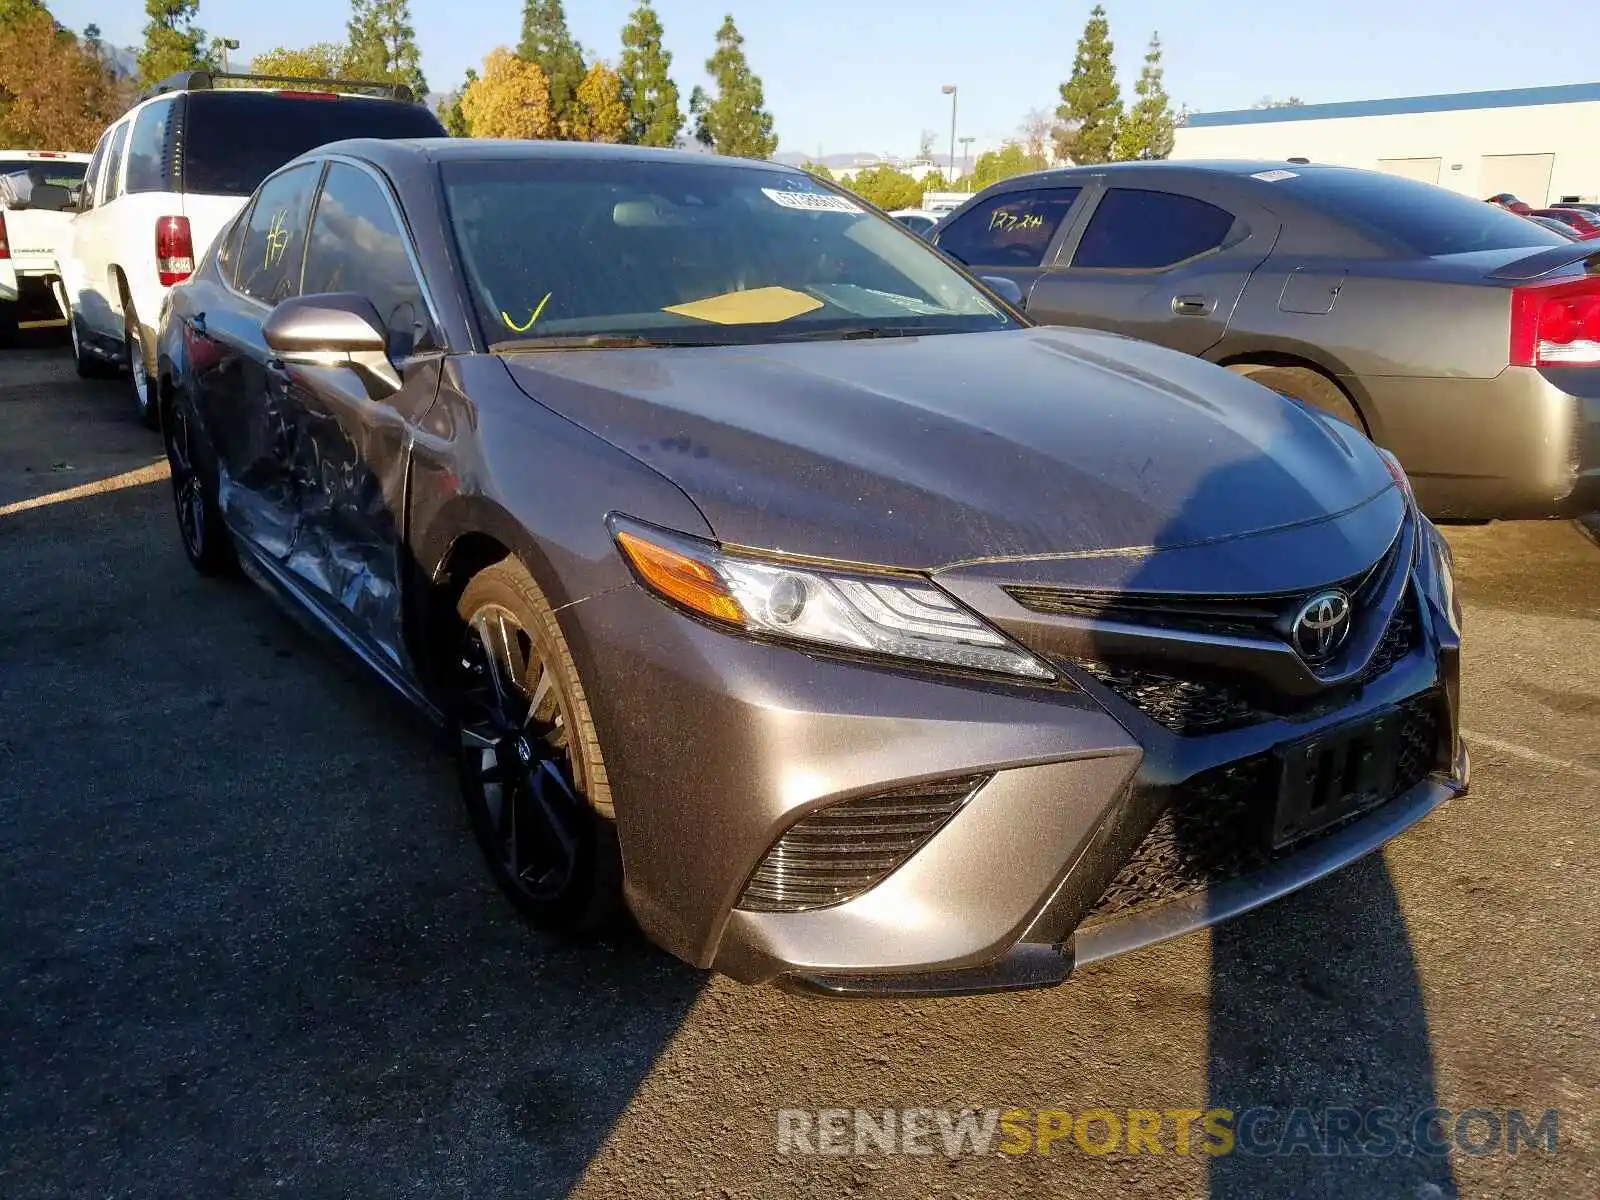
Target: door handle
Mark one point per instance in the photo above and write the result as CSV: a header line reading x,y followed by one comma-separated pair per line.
x,y
1192,306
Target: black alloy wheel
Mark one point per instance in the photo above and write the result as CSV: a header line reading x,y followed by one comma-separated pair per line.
x,y
206,540
529,765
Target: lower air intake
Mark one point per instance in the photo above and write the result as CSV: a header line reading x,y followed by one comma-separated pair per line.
x,y
837,853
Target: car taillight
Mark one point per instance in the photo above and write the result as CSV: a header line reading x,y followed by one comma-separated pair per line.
x,y
1556,324
5,246
174,250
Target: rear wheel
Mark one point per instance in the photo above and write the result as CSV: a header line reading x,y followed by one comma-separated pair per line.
x,y
138,364
531,771
8,323
1307,386
206,539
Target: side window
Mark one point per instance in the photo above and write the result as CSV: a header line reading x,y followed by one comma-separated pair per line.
x,y
1135,230
228,245
91,174
1013,229
357,245
147,148
274,244
112,187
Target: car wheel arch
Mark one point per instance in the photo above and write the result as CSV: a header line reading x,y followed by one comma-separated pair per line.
x,y
1243,362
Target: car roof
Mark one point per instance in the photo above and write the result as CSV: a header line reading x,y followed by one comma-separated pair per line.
x,y
1237,167
383,151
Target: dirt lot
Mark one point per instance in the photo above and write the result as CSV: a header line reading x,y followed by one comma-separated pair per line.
x,y
247,948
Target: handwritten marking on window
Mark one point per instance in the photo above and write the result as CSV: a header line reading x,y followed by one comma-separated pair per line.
x,y
514,327
277,239
1005,219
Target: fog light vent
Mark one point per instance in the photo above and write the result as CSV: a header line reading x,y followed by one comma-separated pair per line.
x,y
838,852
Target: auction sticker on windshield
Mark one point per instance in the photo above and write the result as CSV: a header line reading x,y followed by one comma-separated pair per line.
x,y
812,201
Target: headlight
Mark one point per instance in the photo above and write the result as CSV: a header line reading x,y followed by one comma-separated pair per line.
x,y
895,616
1399,473
1444,571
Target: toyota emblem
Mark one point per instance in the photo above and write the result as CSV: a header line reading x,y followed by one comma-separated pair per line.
x,y
1321,626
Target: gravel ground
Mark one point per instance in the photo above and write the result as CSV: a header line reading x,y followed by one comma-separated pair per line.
x,y
248,949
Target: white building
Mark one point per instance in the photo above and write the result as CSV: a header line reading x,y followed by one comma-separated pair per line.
x,y
1542,144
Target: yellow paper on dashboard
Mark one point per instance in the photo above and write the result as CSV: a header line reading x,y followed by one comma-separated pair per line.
x,y
758,306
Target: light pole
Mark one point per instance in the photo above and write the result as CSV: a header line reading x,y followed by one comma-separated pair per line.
x,y
966,149
227,44
949,89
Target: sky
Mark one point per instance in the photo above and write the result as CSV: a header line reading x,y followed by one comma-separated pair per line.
x,y
864,76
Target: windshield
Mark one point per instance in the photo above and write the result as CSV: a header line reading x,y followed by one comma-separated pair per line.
x,y
636,252
1425,219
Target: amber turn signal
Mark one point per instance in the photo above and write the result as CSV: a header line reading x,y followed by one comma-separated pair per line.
x,y
679,577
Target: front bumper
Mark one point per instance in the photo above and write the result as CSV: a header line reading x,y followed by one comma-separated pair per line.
x,y
997,898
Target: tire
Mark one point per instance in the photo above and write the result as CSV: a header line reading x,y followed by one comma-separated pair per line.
x,y
1307,386
89,366
205,537
137,360
532,775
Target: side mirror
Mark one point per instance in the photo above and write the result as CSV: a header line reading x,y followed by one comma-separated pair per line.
x,y
1006,289
337,329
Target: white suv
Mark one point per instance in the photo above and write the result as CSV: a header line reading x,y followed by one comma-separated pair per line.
x,y
171,173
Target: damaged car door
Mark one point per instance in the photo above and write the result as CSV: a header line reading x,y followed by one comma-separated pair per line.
x,y
357,355
244,407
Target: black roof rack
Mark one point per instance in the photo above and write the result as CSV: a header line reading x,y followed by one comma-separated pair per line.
x,y
204,81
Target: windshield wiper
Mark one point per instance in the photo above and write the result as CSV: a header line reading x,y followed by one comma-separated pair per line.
x,y
596,341
850,333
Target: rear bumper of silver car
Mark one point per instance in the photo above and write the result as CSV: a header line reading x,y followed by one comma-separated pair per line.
x,y
1525,444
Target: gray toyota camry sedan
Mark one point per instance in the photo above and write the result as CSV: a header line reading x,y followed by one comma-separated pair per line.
x,y
779,583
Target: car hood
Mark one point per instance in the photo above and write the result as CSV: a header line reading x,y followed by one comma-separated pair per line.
x,y
931,451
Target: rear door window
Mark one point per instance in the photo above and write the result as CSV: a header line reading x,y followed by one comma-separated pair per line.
x,y
1138,230
112,187
357,246
147,148
274,245
235,139
1011,229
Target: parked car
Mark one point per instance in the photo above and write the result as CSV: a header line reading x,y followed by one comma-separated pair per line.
x,y
1450,331
775,577
37,188
1510,203
171,173
1586,225
1561,227
916,219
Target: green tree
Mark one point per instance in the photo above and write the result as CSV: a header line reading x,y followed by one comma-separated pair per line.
x,y
1091,102
1146,132
325,60
450,114
12,11
886,187
383,45
547,42
172,41
736,122
817,169
652,97
994,165
1269,102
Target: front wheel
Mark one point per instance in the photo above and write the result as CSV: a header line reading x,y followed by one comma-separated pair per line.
x,y
531,771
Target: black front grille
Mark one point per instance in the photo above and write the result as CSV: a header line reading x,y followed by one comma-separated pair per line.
x,y
1217,825
1193,705
836,853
